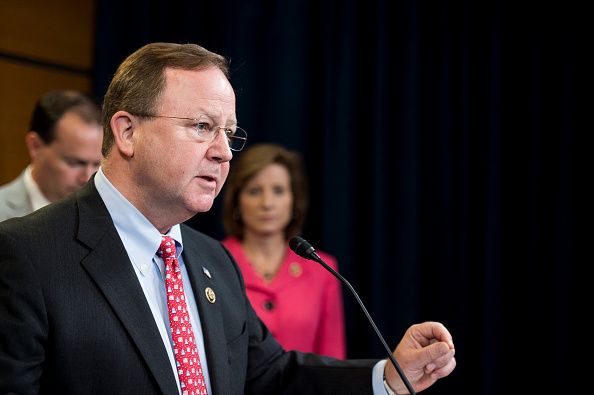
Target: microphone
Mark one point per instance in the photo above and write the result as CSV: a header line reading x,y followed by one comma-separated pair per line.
x,y
305,250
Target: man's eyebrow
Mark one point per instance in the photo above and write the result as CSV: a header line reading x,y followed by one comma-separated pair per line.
x,y
232,121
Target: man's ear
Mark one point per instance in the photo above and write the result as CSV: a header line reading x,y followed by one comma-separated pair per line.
x,y
123,125
34,145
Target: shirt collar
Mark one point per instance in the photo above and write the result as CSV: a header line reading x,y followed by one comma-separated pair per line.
x,y
38,199
140,237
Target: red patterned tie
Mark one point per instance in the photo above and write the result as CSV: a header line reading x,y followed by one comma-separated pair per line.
x,y
186,353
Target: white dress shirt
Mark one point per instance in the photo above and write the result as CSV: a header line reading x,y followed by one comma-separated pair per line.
x,y
37,198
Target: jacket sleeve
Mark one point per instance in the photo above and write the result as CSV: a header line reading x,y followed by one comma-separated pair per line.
x,y
272,370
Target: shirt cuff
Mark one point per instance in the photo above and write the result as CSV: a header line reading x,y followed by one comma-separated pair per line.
x,y
377,378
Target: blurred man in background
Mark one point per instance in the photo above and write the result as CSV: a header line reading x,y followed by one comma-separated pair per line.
x,y
64,143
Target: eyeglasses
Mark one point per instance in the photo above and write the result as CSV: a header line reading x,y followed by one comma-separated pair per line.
x,y
236,136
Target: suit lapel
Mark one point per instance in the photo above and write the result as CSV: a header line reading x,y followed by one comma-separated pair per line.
x,y
210,314
110,267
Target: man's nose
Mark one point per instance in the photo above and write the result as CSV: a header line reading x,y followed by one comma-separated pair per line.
x,y
219,147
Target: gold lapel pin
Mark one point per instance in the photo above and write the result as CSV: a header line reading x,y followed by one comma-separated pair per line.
x,y
295,269
210,295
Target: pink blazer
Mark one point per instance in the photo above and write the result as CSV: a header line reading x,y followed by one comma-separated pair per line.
x,y
302,307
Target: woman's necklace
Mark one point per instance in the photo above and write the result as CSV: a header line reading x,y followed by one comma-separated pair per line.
x,y
267,267
267,271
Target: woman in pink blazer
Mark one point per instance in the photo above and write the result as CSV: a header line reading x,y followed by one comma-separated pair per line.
x,y
264,205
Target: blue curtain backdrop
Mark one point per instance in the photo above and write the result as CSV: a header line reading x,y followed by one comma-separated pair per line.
x,y
440,143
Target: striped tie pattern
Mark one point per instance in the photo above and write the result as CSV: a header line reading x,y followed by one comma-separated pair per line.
x,y
186,353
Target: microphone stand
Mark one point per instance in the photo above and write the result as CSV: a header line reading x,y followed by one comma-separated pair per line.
x,y
302,248
377,332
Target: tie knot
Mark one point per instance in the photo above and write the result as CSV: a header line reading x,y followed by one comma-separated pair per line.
x,y
167,248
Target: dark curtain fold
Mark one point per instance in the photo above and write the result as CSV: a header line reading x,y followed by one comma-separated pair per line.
x,y
440,143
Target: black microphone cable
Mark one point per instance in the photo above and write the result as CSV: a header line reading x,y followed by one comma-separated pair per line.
x,y
302,248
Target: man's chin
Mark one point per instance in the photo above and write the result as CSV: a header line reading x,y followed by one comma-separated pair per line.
x,y
201,206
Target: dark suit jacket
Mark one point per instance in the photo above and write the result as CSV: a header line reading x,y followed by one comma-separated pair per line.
x,y
74,319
